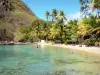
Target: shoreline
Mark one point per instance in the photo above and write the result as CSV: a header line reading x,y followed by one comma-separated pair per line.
x,y
91,49
77,47
15,43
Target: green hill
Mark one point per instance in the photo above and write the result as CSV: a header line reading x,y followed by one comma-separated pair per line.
x,y
13,14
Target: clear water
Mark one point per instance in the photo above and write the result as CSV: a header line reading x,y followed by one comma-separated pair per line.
x,y
47,60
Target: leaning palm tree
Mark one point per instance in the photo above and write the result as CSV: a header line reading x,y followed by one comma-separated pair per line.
x,y
54,14
47,14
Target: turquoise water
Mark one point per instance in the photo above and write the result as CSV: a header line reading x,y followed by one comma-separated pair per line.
x,y
47,60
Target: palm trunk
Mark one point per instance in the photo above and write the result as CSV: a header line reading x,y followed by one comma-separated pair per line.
x,y
98,11
61,34
81,41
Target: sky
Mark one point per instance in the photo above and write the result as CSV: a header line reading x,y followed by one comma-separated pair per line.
x,y
39,7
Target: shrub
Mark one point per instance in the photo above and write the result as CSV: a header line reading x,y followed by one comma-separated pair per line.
x,y
68,41
89,42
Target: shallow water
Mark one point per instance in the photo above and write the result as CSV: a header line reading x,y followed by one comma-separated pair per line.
x,y
47,60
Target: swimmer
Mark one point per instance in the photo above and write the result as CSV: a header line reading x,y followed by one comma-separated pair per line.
x,y
38,46
72,52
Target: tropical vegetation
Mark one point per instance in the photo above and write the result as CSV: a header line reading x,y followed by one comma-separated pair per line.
x,y
58,29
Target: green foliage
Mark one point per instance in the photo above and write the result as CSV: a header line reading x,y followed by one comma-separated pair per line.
x,y
83,29
89,42
87,5
96,31
54,14
54,31
38,30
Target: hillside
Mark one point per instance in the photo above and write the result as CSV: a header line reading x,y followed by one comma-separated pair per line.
x,y
17,10
13,14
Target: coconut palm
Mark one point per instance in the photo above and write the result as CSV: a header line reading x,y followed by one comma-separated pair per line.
x,y
97,6
54,31
54,14
61,22
87,5
83,29
61,17
47,14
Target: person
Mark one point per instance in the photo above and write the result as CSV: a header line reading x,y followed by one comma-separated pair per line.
x,y
38,46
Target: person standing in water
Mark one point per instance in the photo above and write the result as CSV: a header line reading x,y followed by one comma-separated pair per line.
x,y
38,46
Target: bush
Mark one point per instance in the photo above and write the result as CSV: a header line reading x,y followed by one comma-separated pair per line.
x,y
6,31
89,42
64,39
68,41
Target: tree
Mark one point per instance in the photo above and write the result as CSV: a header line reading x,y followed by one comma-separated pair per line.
x,y
24,33
54,14
45,30
97,6
47,14
83,30
61,17
61,22
54,31
87,5
36,25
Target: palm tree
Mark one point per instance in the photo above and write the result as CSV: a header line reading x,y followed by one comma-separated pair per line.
x,y
83,29
47,14
62,17
87,5
36,25
54,31
54,14
97,6
61,22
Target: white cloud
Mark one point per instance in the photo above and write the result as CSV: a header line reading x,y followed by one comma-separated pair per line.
x,y
78,15
74,16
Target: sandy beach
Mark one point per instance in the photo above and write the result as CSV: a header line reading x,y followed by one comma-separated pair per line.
x,y
77,47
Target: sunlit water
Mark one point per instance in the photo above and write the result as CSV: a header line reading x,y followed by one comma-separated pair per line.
x,y
47,60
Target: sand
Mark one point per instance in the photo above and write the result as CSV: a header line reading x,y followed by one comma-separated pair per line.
x,y
77,47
